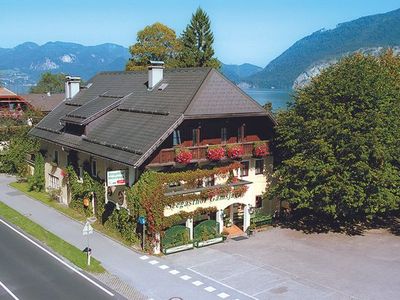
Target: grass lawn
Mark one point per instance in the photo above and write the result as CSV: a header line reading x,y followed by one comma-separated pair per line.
x,y
73,254
45,199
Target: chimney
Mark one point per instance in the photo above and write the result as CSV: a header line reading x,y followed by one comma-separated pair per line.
x,y
72,86
155,73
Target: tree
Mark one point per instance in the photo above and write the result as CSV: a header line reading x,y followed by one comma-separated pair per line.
x,y
338,144
268,106
197,40
154,42
48,82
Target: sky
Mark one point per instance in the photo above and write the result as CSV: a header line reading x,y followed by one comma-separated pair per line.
x,y
251,31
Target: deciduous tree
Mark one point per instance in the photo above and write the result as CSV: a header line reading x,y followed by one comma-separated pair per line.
x,y
154,42
338,144
48,82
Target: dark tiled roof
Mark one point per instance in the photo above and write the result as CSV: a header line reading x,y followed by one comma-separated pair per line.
x,y
126,122
219,96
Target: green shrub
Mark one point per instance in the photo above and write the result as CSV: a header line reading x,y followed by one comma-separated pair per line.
x,y
37,182
175,236
206,230
261,219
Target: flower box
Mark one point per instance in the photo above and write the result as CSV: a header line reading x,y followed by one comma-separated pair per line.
x,y
234,151
216,240
260,149
215,153
183,155
178,248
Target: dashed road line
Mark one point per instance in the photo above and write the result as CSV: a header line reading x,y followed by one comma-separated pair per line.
x,y
153,262
174,272
223,295
185,277
163,267
197,283
210,289
144,257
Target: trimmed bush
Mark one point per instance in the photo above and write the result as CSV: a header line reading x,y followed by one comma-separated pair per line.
x,y
175,236
206,230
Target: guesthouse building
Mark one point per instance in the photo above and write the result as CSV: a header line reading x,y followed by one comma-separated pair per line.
x,y
172,122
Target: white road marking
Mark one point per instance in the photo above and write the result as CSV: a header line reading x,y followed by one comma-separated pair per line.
x,y
223,295
174,272
223,284
144,257
163,267
153,262
197,283
185,277
210,289
58,259
8,291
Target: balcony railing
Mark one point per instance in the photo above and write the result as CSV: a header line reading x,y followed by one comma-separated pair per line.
x,y
199,153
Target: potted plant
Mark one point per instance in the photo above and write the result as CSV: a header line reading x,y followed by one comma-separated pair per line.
x,y
234,151
260,149
215,153
183,155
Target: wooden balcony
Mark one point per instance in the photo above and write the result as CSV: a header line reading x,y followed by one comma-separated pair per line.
x,y
199,154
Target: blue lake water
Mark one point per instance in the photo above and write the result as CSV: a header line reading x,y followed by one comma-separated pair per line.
x,y
278,98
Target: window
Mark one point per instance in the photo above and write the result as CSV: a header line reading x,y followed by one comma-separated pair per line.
x,y
54,182
196,136
176,137
210,181
244,170
240,133
56,156
94,168
259,202
259,166
223,135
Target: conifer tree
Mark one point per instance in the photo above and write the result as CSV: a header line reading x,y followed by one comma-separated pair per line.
x,y
197,40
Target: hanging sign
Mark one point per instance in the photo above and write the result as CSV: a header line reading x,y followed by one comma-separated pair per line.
x,y
117,177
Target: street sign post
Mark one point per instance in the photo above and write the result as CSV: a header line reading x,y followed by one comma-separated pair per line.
x,y
142,220
88,230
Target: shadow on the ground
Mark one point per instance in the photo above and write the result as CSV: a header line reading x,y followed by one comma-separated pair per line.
x,y
319,223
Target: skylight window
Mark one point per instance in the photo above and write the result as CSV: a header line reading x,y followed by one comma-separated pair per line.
x,y
162,86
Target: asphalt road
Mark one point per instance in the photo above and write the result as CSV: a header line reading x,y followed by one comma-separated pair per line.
x,y
30,273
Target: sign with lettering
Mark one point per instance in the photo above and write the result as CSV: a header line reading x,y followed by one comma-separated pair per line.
x,y
188,206
117,177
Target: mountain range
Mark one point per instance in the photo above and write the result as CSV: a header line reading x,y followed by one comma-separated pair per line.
x,y
21,66
308,56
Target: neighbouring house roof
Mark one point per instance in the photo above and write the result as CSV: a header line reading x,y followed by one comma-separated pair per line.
x,y
44,102
4,92
126,122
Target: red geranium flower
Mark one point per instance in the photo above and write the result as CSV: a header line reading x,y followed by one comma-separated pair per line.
x,y
260,149
183,156
215,153
234,151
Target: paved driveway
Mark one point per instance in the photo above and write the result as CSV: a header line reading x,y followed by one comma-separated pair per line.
x,y
287,264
